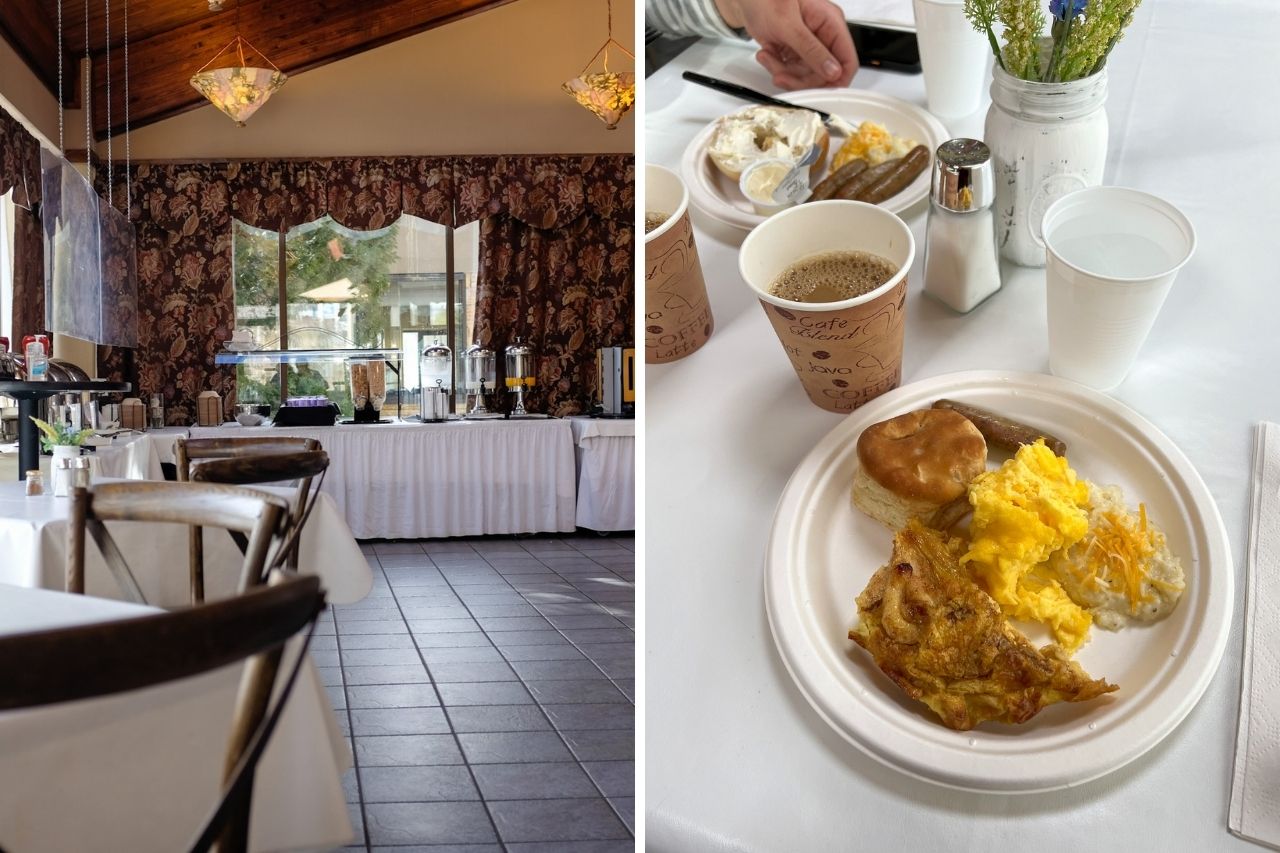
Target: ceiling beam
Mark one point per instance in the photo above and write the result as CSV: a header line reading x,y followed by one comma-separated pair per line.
x,y
32,33
296,36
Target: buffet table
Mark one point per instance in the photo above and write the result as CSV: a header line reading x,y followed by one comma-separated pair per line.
x,y
461,478
605,452
33,540
728,731
141,770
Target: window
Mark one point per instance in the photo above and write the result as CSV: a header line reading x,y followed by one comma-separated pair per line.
x,y
323,286
6,268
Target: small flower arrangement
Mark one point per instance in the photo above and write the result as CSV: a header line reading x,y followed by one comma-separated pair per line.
x,y
1082,36
60,435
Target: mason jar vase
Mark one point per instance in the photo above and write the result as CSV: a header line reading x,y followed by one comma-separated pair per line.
x,y
1046,140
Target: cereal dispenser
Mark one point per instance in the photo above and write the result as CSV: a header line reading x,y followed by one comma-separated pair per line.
x,y
436,372
481,368
521,375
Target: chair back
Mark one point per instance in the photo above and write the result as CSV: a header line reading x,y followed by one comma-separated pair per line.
x,y
258,517
105,658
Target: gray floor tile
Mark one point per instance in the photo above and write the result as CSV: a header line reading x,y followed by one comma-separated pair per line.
x,y
628,689
578,691
413,612
579,622
325,644
357,822
381,626
389,613
528,638
380,657
533,781
399,721
324,657
443,626
497,718
556,670
614,778
422,589
485,693
556,820
502,611
330,676
414,673
428,823
626,809
512,747
601,745
351,786
377,641
406,750
440,848
452,641
609,651
465,654
446,673
571,608
392,696
519,623
337,696
492,599
441,783
579,636
617,715
556,652
391,547
619,668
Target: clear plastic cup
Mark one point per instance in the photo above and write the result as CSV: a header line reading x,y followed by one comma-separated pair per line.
x,y
1113,254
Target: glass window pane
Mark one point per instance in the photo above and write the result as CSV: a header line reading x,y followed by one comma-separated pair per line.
x,y
466,261
255,259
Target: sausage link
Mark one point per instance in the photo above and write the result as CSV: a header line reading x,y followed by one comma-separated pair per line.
x,y
916,161
1001,431
828,185
852,187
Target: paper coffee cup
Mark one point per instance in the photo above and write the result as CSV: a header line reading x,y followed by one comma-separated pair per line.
x,y
1113,254
845,353
677,313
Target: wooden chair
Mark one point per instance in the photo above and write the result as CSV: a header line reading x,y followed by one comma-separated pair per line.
x,y
255,460
103,658
257,516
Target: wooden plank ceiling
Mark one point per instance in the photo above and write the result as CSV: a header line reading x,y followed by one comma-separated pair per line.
x,y
169,40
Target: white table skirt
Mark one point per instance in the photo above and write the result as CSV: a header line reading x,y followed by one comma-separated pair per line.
x,y
33,535
141,771
464,478
131,457
736,759
605,451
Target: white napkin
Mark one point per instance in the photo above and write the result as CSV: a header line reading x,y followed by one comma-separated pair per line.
x,y
1255,786
897,13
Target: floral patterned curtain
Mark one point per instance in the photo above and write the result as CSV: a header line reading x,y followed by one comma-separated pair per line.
x,y
556,265
20,170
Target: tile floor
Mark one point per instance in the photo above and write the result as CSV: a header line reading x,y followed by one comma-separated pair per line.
x,y
487,687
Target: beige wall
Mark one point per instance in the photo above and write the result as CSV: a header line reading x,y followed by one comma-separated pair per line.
x,y
22,94
487,84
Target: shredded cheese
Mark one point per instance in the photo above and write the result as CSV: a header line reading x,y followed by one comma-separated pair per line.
x,y
1119,553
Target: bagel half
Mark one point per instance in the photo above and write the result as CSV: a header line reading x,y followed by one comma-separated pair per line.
x,y
763,132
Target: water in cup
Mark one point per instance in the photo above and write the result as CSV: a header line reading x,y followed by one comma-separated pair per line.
x,y
1115,255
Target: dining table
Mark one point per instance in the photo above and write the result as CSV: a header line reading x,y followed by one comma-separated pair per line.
x,y
141,770
33,545
736,758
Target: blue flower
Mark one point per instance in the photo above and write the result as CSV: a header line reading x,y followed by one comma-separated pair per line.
x,y
1058,8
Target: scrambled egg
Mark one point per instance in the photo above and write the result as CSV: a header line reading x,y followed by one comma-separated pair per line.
x,y
1029,508
873,143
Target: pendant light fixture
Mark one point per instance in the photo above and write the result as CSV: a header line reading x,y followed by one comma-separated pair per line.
x,y
238,89
608,94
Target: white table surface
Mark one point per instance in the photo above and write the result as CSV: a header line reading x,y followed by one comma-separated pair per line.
x,y
33,533
605,453
463,478
141,770
736,759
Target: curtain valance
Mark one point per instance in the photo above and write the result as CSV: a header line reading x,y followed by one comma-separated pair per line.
x,y
19,161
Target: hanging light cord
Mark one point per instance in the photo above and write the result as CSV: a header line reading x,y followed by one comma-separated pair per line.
x,y
62,146
88,109
128,159
110,164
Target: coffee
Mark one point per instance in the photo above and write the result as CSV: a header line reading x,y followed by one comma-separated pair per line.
x,y
652,220
833,277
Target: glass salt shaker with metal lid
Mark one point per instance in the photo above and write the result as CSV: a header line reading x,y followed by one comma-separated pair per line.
x,y
961,259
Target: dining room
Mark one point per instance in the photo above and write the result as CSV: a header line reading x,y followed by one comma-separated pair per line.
x,y
355,284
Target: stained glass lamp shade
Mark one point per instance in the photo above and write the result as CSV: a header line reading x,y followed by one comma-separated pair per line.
x,y
238,90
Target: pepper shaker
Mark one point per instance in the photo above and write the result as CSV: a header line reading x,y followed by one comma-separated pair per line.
x,y
961,260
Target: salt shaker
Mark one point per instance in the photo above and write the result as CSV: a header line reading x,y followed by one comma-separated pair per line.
x,y
961,260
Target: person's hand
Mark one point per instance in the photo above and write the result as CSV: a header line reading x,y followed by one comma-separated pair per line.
x,y
804,43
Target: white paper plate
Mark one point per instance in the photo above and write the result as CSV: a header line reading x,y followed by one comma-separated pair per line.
x,y
720,198
822,552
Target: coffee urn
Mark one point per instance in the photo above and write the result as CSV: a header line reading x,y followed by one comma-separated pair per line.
x,y
521,375
481,368
435,370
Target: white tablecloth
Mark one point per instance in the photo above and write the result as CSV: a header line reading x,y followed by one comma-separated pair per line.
x,y
133,456
33,535
736,759
463,478
605,451
140,771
